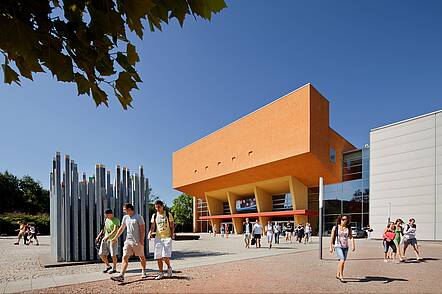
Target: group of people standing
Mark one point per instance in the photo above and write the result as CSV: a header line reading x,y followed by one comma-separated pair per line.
x,y
272,232
161,230
27,232
396,235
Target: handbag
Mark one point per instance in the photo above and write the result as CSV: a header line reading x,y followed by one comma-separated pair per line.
x,y
253,241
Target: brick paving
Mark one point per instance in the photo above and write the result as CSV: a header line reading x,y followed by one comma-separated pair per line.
x,y
294,271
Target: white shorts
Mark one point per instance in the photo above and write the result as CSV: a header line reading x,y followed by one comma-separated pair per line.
x,y
269,236
247,236
162,248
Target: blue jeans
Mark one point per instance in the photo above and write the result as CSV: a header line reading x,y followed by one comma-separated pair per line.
x,y
341,253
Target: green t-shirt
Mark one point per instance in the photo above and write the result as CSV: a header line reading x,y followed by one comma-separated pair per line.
x,y
109,226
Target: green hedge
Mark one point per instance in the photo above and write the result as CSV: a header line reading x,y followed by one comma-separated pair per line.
x,y
9,223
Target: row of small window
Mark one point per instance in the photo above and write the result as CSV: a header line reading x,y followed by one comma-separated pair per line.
x,y
219,162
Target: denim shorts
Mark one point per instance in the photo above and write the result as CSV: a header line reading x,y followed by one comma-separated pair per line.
x,y
341,253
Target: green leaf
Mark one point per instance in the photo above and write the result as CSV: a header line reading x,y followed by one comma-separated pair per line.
x,y
99,95
10,75
132,56
83,85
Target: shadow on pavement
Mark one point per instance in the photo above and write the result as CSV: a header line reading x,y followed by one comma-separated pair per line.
x,y
367,279
152,278
186,254
138,271
414,260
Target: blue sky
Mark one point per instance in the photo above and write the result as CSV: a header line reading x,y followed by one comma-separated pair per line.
x,y
376,62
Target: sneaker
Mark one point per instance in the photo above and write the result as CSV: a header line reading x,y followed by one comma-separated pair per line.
x,y
169,272
143,275
119,278
16,243
385,260
107,269
159,277
112,271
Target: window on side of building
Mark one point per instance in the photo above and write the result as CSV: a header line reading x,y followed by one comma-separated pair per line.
x,y
332,155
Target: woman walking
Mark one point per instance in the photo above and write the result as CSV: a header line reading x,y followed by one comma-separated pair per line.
x,y
388,241
269,233
340,235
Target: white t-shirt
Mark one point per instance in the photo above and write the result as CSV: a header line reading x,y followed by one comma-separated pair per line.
x,y
270,228
257,229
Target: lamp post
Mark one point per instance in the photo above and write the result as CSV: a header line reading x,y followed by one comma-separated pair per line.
x,y
321,196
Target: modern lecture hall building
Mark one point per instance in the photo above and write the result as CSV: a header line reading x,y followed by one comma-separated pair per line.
x,y
266,165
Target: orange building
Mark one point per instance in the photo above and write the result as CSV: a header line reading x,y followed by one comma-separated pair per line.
x,y
263,164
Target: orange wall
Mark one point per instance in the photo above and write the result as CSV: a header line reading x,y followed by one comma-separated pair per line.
x,y
276,131
288,137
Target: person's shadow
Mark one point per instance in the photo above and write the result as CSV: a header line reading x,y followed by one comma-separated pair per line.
x,y
367,279
152,278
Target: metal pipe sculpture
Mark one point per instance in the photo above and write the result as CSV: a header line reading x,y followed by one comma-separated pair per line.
x,y
77,207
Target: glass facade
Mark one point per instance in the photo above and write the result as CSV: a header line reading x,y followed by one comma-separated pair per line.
x,y
203,225
349,197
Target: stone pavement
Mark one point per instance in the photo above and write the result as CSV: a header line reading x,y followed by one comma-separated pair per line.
x,y
22,267
298,271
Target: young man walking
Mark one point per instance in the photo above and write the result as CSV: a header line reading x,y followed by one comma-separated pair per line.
x,y
162,229
247,230
134,244
107,246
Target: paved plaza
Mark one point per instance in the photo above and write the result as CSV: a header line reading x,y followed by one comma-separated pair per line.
x,y
215,265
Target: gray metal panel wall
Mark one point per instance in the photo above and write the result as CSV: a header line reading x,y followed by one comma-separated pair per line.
x,y
74,213
402,174
438,208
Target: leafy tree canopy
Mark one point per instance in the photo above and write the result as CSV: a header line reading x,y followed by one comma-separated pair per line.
x,y
86,41
182,210
22,195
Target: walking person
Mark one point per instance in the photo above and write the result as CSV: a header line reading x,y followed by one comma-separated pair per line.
x,y
247,231
223,230
214,230
397,239
288,233
227,231
410,239
308,233
257,232
269,233
33,234
388,241
163,230
134,244
300,233
340,235
107,246
21,232
277,229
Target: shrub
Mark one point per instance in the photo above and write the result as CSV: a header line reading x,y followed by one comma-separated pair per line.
x,y
9,223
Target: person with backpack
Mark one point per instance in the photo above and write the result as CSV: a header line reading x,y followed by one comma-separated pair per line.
x,y
388,241
340,235
162,230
